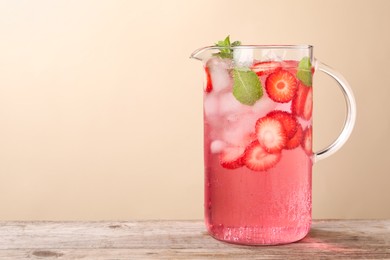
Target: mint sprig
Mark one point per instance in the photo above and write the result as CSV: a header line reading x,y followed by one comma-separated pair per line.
x,y
225,48
247,87
304,73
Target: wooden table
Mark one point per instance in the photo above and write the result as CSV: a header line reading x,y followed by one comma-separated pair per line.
x,y
328,239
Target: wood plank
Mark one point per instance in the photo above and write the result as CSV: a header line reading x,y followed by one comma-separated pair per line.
x,y
344,239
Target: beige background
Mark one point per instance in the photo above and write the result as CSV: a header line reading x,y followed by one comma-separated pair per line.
x,y
101,108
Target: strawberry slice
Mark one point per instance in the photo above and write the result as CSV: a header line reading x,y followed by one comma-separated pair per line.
x,y
289,122
265,67
271,134
231,157
299,100
281,86
296,140
308,106
302,104
307,141
257,158
209,85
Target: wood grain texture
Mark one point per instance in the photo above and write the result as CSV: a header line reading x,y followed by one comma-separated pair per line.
x,y
328,239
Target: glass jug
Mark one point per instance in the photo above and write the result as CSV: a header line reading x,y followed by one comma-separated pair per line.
x,y
258,102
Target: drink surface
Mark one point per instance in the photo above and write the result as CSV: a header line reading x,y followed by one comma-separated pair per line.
x,y
258,155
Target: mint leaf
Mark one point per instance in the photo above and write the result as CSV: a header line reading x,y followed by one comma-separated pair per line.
x,y
236,43
225,48
247,86
304,71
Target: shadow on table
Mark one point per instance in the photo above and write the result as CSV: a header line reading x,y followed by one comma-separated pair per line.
x,y
337,241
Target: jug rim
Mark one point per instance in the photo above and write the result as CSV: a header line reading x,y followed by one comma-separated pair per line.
x,y
254,46
267,46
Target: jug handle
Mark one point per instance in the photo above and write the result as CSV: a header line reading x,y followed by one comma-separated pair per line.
x,y
350,117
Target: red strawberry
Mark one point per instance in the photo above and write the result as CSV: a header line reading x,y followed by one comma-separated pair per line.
x,y
299,100
231,157
288,121
308,107
281,86
296,140
257,158
271,134
307,141
302,104
209,85
265,67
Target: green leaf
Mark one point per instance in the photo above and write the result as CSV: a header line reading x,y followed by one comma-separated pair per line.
x,y
304,73
225,48
227,40
236,43
247,86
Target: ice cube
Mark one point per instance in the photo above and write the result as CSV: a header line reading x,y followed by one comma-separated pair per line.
x,y
221,80
233,135
271,55
211,104
217,146
243,57
229,105
220,73
264,105
241,132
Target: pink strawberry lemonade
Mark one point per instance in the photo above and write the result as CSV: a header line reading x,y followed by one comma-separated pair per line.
x,y
258,156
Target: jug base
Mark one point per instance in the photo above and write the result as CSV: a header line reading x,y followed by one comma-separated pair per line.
x,y
259,235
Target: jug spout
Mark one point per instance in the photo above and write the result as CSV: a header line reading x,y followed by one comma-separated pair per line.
x,y
223,49
241,55
204,53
